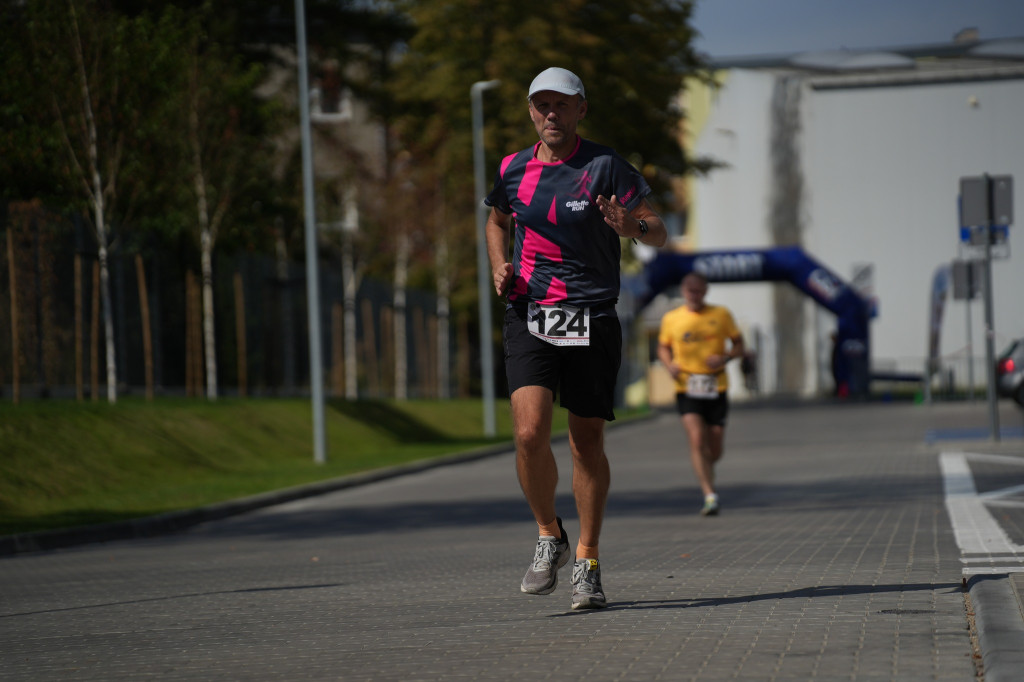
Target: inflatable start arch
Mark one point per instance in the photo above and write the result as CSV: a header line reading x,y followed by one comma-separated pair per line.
x,y
782,264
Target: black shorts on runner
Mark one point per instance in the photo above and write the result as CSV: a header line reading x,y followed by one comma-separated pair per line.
x,y
714,410
583,377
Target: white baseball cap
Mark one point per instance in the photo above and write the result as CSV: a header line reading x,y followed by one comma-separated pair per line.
x,y
557,80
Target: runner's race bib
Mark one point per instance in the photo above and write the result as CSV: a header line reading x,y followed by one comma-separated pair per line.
x,y
703,386
559,325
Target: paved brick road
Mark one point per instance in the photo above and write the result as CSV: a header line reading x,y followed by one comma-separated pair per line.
x,y
833,558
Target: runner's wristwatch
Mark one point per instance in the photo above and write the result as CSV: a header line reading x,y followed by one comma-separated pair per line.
x,y
643,227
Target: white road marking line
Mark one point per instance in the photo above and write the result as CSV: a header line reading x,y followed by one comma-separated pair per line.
x,y
975,530
991,570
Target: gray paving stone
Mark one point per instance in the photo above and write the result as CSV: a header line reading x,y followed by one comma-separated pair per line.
x,y
833,558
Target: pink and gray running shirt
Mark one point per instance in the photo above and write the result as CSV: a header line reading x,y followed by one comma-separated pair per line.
x,y
564,251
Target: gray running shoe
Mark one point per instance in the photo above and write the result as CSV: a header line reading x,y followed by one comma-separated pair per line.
x,y
587,592
710,507
552,553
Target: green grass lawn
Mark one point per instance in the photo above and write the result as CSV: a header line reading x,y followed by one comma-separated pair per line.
x,y
66,464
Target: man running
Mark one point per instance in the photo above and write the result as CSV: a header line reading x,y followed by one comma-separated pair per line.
x,y
570,200
691,345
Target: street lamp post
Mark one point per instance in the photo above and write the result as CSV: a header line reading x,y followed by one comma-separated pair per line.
x,y
484,285
312,267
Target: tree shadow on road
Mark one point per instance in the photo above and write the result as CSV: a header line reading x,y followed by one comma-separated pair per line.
x,y
671,503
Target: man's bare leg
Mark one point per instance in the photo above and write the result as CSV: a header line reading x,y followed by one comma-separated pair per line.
x,y
716,446
591,478
532,408
700,452
538,476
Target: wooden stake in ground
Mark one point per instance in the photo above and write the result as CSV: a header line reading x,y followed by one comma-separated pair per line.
x,y
421,347
194,337
147,337
94,346
188,334
370,350
337,351
243,358
78,328
15,349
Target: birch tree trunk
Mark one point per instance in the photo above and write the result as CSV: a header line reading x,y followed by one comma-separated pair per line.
x,y
92,181
206,233
94,188
351,274
108,314
209,343
350,285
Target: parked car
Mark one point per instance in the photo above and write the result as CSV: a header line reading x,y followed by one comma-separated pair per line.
x,y
1010,372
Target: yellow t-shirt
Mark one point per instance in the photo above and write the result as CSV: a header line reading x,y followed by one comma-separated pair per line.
x,y
694,337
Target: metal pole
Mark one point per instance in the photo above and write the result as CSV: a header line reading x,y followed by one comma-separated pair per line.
x,y
927,383
483,267
970,343
990,331
312,267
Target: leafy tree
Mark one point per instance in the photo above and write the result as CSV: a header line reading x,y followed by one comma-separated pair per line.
x,y
632,55
223,122
28,146
103,73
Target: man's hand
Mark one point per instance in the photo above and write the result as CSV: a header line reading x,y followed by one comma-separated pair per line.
x,y
617,217
502,278
717,362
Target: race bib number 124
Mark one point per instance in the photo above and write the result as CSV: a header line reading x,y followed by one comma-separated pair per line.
x,y
559,325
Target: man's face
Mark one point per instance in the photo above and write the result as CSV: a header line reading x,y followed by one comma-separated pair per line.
x,y
694,290
555,116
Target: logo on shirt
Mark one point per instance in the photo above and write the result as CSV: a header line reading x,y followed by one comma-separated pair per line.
x,y
582,189
579,191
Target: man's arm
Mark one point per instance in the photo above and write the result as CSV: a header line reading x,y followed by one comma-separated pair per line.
x,y
736,350
739,349
657,233
665,355
497,232
627,223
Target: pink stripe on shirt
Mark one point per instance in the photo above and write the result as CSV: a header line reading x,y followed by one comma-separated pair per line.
x,y
531,178
552,212
535,245
505,162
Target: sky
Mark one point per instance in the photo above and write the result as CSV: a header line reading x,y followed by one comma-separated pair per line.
x,y
739,28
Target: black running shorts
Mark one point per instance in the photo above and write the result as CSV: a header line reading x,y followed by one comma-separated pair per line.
x,y
582,376
714,410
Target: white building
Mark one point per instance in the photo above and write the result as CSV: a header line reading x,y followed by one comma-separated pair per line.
x,y
857,158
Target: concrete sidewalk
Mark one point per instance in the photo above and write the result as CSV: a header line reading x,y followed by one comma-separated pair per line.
x,y
842,550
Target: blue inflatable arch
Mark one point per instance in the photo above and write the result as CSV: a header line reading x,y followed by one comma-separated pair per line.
x,y
782,264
